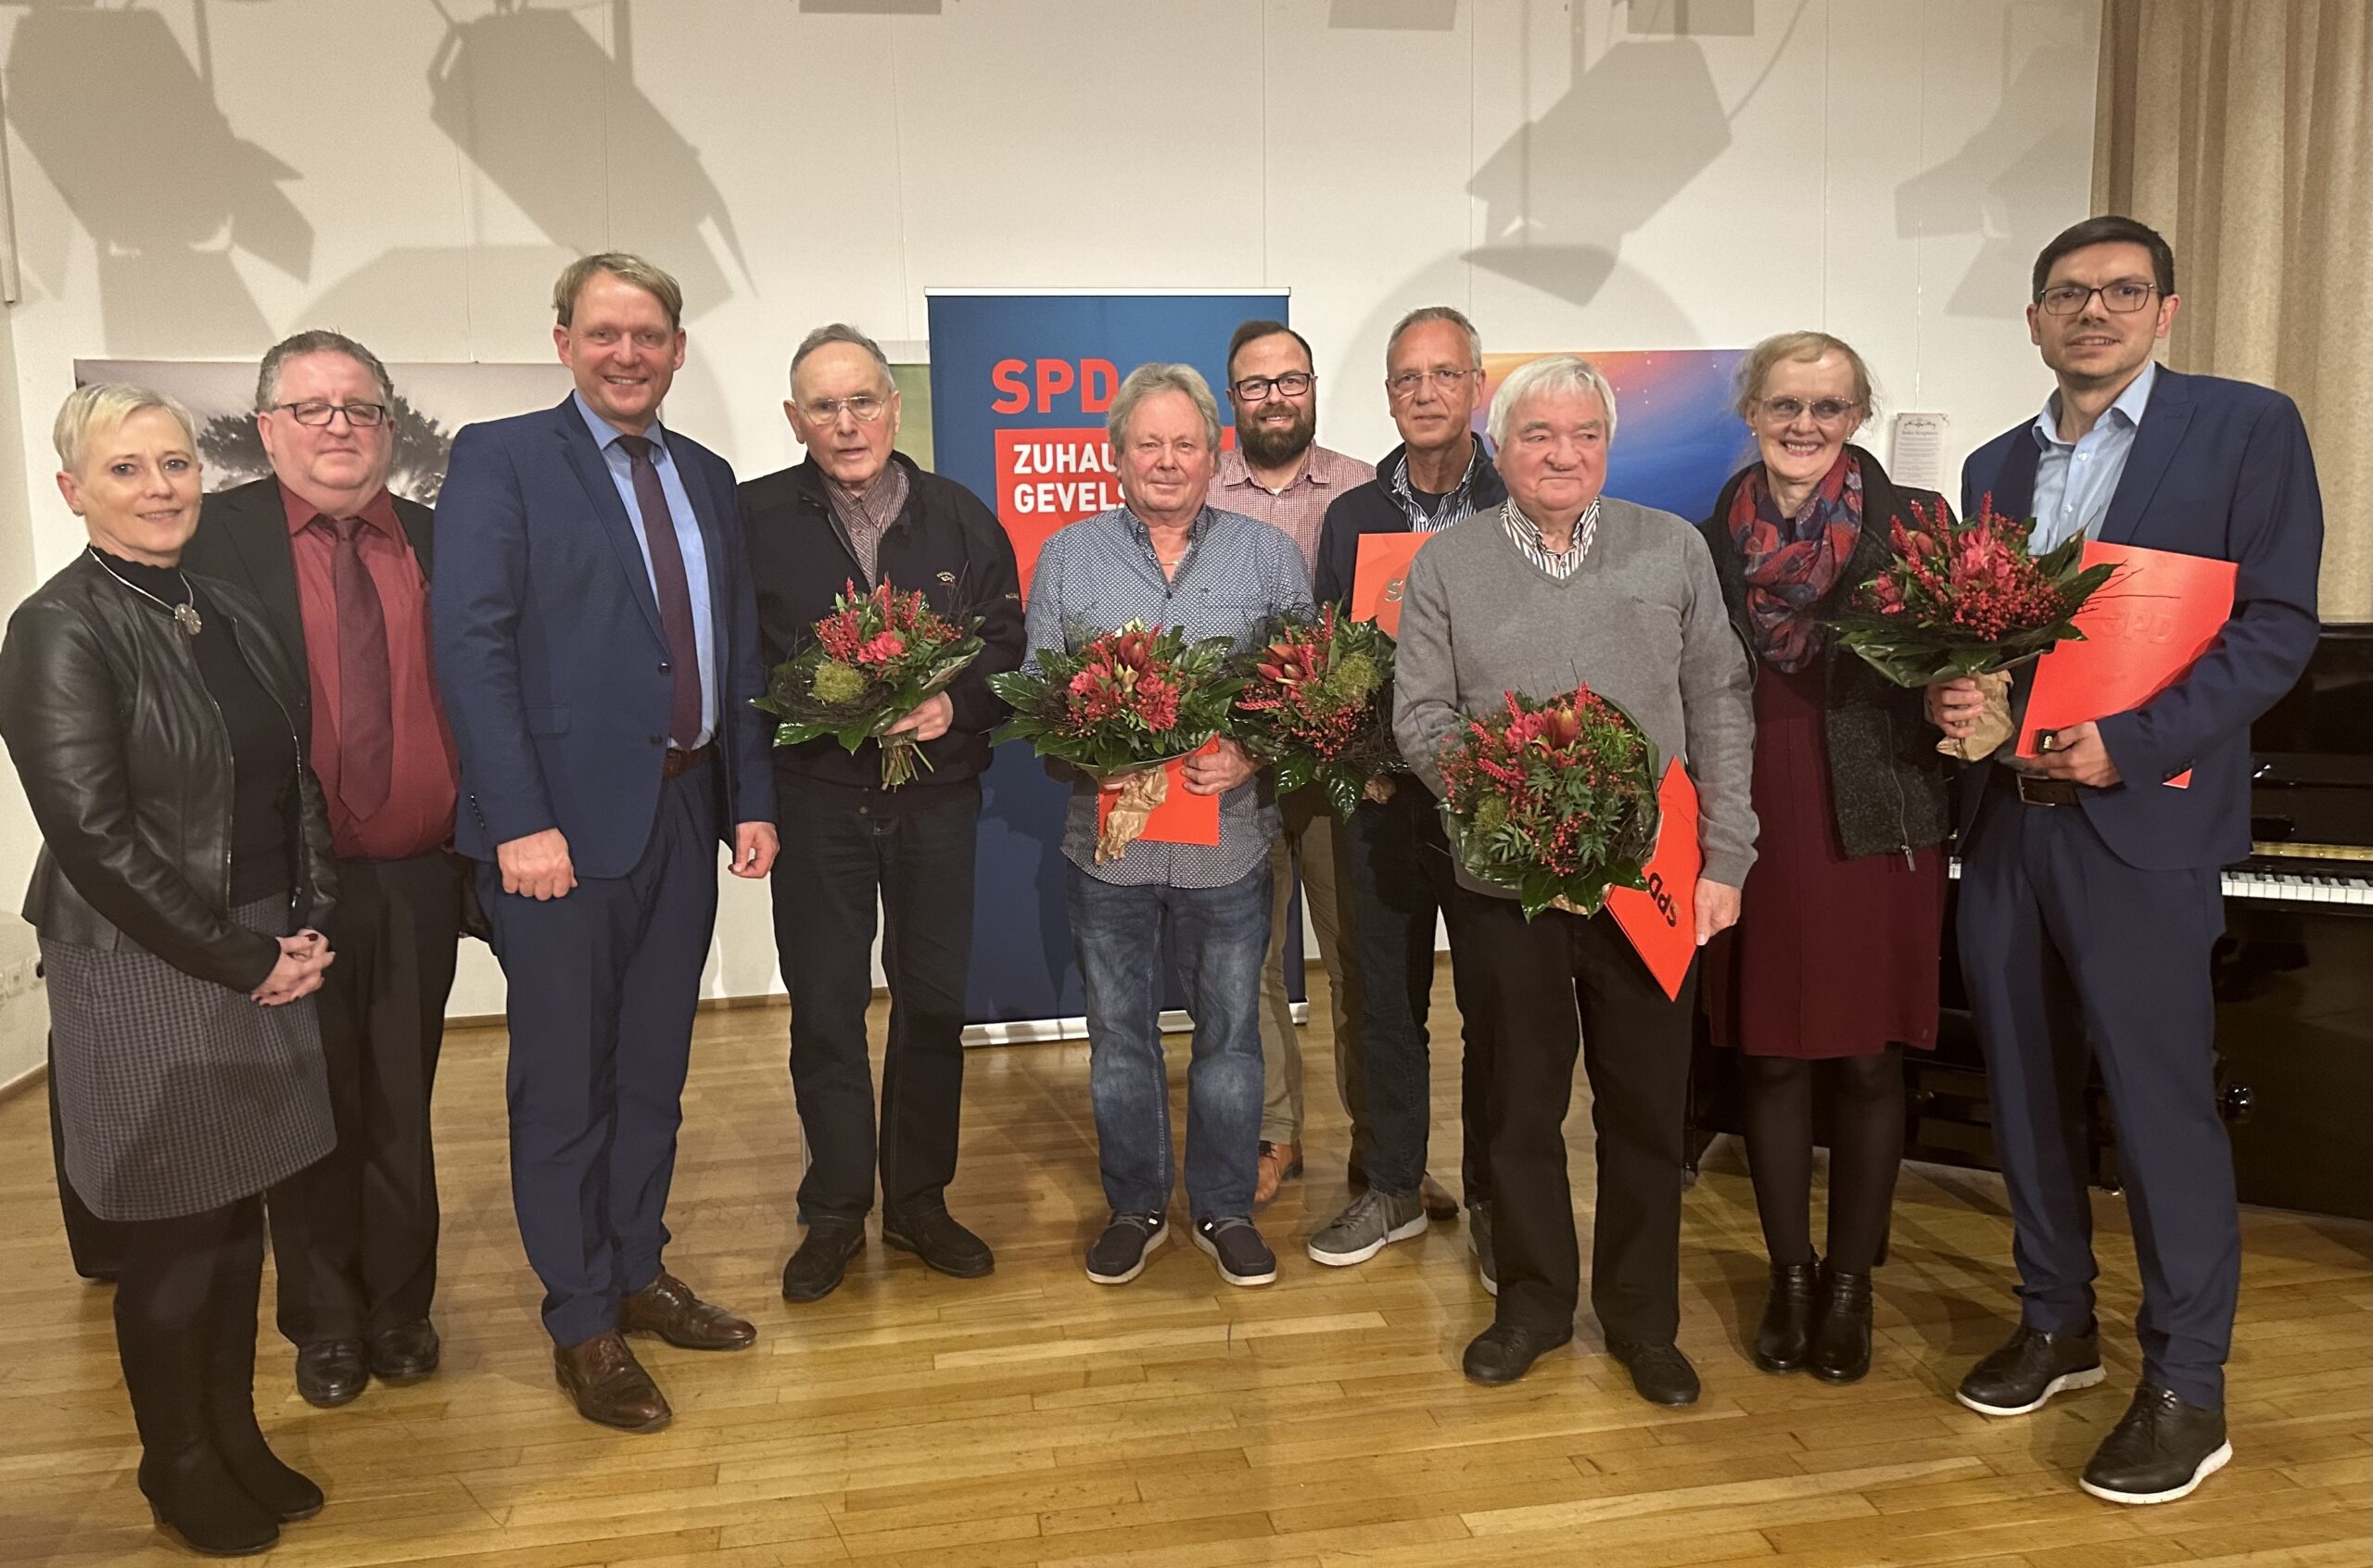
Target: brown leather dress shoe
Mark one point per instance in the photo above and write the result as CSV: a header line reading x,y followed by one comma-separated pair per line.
x,y
1280,1163
609,1385
667,1308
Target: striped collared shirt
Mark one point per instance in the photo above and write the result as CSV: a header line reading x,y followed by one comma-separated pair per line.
x,y
1300,508
865,518
1456,507
1560,564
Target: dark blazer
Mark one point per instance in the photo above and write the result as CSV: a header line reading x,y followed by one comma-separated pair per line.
x,y
549,649
1887,779
243,537
127,765
2220,469
946,545
1373,509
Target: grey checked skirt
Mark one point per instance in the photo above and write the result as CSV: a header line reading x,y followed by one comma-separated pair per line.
x,y
177,1094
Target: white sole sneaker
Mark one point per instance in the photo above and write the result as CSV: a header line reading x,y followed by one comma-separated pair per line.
x,y
2208,1467
1153,1245
2067,1382
1345,1260
1205,1243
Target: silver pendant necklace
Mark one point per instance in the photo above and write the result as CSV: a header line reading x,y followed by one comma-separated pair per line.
x,y
184,613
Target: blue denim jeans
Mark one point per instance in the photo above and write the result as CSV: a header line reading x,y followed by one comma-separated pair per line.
x,y
1220,935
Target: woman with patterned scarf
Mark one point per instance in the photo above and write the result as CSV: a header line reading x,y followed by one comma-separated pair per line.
x,y
1835,956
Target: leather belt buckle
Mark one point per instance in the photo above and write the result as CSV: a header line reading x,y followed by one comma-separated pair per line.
x,y
2046,792
679,763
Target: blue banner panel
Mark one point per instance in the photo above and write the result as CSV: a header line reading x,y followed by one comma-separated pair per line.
x,y
1020,387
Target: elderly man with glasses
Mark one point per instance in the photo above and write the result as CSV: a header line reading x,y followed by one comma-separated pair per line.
x,y
857,514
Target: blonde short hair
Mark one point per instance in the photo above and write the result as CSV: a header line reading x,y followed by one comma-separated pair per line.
x,y
1147,380
1547,377
1782,347
625,266
93,411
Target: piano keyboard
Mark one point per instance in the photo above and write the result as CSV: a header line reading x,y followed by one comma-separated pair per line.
x,y
2264,886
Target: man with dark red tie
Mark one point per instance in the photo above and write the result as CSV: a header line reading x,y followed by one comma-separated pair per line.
x,y
342,566
597,643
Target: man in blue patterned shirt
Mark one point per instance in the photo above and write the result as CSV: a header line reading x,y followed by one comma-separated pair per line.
x,y
1168,559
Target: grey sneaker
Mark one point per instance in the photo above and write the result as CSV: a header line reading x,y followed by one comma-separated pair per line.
x,y
1478,1240
1375,1221
1244,1259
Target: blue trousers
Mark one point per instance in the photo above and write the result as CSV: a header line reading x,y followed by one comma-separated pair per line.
x,y
2070,953
603,982
1220,936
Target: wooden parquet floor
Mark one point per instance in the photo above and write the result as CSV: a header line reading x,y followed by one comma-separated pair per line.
x,y
1035,1418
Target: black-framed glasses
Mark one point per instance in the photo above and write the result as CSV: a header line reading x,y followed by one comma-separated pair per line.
x,y
1405,384
1256,388
865,408
1825,411
317,415
2125,297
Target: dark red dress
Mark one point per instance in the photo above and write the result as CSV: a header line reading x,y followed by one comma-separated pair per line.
x,y
1831,956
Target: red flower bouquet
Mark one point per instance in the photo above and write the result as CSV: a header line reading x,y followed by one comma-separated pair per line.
x,y
1555,801
1316,702
1965,598
1121,702
874,660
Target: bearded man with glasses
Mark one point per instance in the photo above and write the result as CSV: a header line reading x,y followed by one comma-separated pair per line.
x,y
341,567
857,514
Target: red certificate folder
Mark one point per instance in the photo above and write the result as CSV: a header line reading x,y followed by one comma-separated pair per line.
x,y
1182,817
1662,920
1384,566
2143,631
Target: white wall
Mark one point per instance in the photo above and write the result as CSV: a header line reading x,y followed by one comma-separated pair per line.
x,y
192,180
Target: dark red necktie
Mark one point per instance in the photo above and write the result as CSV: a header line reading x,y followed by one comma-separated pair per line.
x,y
675,591
366,717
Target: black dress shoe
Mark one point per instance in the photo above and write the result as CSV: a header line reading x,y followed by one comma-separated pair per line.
x,y
933,1235
2159,1451
815,1270
1841,1346
1660,1374
1784,1339
2030,1368
332,1373
405,1353
1504,1352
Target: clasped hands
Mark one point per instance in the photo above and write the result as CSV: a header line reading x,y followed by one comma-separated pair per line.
x,y
2075,752
298,972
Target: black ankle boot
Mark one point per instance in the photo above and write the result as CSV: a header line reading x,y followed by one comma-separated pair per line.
x,y
230,1397
1783,1340
1841,1347
192,1493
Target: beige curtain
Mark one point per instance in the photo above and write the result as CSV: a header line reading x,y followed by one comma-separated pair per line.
x,y
2241,130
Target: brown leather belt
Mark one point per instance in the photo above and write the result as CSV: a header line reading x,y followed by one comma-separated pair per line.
x,y
2035,790
679,763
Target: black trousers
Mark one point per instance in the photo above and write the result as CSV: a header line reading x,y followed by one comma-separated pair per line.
x,y
1397,868
841,850
355,1236
1634,1044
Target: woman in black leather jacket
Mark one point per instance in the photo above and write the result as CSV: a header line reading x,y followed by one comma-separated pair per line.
x,y
185,863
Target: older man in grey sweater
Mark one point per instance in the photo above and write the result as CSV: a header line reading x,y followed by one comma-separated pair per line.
x,y
1565,588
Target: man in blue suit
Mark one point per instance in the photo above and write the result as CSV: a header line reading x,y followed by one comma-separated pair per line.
x,y
597,646
2089,886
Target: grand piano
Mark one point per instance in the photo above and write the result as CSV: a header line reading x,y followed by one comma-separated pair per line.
x,y
2293,975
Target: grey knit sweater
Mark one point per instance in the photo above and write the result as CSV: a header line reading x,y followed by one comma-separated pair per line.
x,y
1642,623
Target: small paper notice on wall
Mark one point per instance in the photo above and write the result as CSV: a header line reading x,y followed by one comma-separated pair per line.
x,y
1917,458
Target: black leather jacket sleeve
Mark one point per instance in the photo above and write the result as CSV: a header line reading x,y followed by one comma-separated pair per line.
x,y
59,714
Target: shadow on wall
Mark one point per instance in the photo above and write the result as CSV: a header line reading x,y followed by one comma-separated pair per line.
x,y
124,126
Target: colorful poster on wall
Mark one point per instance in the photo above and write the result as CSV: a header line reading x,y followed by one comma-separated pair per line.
x,y
1677,436
1021,385
432,402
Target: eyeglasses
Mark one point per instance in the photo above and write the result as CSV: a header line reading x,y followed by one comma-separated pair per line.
x,y
1827,410
1256,388
1405,384
317,415
865,408
2125,297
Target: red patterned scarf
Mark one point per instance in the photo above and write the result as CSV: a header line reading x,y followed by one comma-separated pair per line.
x,y
1792,563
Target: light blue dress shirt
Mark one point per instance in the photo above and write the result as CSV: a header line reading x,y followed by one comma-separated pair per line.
x,y
688,539
2075,479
